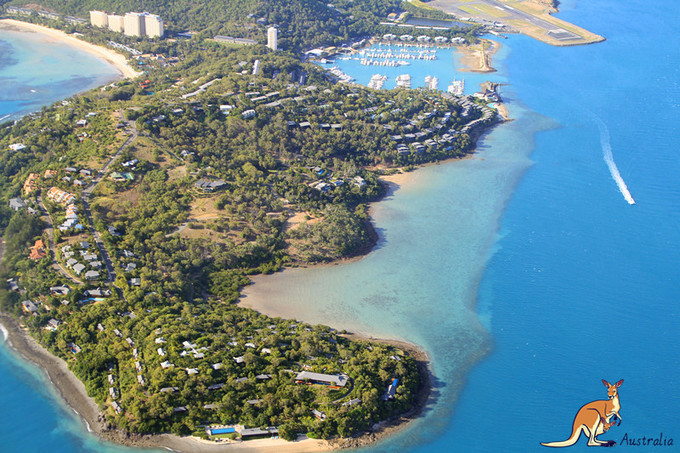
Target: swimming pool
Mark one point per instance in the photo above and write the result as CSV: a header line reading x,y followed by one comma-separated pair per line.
x,y
222,431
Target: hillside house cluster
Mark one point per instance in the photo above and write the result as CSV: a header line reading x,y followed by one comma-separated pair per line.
x,y
60,196
71,219
37,251
82,261
31,183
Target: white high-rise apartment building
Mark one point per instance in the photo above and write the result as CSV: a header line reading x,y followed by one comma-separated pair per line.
x,y
116,23
99,19
153,25
134,24
272,38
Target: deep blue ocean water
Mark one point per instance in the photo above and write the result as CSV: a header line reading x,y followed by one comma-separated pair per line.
x,y
583,286
527,256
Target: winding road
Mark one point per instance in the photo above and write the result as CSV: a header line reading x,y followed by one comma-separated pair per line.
x,y
85,198
110,271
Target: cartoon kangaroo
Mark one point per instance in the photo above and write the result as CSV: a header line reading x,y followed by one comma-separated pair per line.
x,y
594,418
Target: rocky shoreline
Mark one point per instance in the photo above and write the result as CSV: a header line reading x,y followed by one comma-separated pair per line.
x,y
390,426
73,393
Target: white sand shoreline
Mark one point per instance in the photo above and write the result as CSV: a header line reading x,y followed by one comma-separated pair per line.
x,y
109,55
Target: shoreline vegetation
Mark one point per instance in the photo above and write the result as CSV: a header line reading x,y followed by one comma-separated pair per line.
x,y
73,390
73,393
110,56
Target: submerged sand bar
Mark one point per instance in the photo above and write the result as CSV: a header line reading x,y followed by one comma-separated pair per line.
x,y
531,18
109,55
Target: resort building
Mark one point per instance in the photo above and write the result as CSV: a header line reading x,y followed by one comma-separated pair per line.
x,y
272,38
332,380
29,306
257,432
153,25
19,11
116,23
60,196
16,204
99,19
135,24
30,183
38,250
391,390
232,40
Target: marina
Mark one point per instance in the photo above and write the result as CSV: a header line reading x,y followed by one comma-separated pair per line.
x,y
431,83
435,61
404,81
377,81
457,87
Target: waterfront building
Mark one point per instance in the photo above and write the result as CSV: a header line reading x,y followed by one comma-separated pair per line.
x,y
272,38
99,19
75,20
19,11
134,24
153,25
116,23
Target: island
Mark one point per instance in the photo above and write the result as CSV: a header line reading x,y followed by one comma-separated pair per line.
x,y
134,214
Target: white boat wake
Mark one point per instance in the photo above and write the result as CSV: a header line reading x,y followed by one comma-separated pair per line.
x,y
609,160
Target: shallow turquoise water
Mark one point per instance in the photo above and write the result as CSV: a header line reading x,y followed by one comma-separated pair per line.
x,y
36,71
577,284
34,415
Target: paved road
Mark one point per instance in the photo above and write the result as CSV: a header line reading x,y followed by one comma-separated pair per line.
x,y
110,271
56,265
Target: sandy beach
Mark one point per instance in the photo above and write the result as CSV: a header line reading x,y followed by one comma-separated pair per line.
x,y
52,35
73,393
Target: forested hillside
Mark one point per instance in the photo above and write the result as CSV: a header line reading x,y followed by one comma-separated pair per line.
x,y
302,24
134,213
